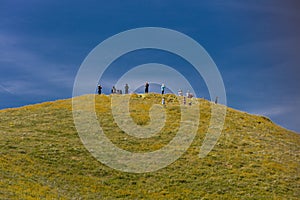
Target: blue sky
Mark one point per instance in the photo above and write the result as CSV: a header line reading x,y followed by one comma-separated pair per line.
x,y
255,45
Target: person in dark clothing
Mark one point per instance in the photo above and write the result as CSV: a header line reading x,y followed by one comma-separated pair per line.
x,y
126,88
113,90
216,101
99,89
146,87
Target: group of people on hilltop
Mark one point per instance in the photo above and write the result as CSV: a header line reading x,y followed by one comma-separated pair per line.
x,y
126,91
162,87
115,91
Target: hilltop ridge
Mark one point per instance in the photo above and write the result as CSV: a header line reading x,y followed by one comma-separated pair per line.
x,y
42,156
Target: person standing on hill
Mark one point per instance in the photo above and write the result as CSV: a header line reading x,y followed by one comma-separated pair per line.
x,y
163,102
180,92
162,88
188,94
146,87
216,101
99,89
113,90
126,88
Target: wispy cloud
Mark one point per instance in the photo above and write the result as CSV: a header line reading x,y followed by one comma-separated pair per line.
x,y
26,71
273,111
5,89
20,87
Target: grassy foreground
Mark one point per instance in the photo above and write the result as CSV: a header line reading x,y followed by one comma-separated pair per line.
x,y
42,156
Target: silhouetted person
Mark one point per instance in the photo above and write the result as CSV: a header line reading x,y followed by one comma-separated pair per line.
x,y
126,88
146,87
216,101
113,90
99,89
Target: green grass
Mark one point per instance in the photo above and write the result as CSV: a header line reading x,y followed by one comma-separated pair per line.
x,y
42,157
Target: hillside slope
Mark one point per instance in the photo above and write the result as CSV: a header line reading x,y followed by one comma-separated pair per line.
x,y
42,156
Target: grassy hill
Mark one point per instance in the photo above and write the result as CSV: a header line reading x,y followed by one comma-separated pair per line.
x,y
42,156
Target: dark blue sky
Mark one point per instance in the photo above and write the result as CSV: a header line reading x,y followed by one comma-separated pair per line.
x,y
255,45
